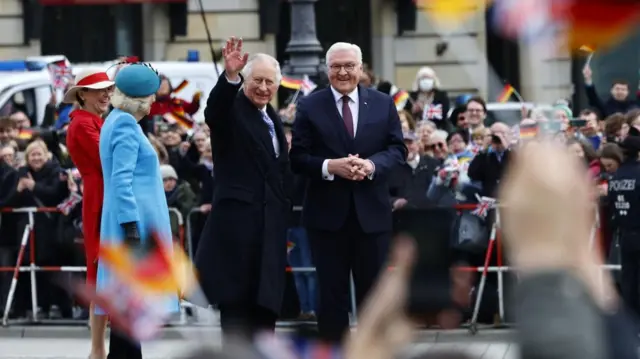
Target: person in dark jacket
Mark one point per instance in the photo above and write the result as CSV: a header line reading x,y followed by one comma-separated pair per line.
x,y
40,185
242,252
9,236
624,195
620,100
487,167
427,101
410,181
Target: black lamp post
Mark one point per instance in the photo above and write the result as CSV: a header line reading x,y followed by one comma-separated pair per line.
x,y
304,49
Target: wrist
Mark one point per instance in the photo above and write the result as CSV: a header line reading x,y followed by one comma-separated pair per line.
x,y
330,167
232,76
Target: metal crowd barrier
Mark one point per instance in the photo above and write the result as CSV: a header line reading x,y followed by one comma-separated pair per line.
x,y
495,244
28,241
185,236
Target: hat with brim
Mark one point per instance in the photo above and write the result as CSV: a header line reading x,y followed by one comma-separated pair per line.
x,y
88,79
138,80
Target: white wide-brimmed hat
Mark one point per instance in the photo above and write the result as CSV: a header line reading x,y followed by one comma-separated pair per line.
x,y
95,79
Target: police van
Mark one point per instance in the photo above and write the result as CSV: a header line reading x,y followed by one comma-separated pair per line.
x,y
27,83
199,77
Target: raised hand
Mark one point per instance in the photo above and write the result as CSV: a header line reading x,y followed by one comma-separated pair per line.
x,y
547,226
234,58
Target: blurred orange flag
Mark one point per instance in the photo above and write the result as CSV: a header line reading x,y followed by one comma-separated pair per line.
x,y
598,23
452,13
159,270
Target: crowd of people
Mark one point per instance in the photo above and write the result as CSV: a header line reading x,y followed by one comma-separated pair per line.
x,y
453,158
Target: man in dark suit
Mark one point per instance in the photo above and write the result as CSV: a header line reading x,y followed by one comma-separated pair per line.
x,y
241,256
346,140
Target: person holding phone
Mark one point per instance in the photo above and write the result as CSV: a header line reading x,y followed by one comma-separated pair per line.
x,y
488,166
91,92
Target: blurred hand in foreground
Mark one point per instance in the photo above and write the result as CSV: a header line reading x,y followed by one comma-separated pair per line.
x,y
548,216
383,326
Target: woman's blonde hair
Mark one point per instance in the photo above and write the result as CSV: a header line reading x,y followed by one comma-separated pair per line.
x,y
426,71
132,105
35,145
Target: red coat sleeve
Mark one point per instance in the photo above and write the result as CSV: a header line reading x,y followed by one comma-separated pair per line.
x,y
89,140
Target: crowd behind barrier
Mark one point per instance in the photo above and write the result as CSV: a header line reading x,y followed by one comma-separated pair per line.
x,y
492,262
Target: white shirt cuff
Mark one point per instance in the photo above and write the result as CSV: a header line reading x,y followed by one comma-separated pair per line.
x,y
325,171
373,172
232,82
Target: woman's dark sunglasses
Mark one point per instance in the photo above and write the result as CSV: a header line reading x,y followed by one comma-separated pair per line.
x,y
439,145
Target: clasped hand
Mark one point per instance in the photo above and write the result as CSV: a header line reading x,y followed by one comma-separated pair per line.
x,y
352,167
26,183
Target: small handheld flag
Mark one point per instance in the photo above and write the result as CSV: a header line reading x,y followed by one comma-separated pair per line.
x,y
484,205
507,92
69,204
290,83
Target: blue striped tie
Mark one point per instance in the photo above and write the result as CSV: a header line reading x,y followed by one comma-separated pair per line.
x,y
269,122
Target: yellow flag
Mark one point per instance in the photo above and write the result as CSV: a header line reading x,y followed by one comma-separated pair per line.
x,y
452,13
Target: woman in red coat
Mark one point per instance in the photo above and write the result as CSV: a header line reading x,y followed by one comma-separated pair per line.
x,y
92,92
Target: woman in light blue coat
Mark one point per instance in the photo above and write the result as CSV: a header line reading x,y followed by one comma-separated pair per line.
x,y
134,199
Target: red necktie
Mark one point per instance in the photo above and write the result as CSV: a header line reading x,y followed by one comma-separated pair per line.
x,y
347,116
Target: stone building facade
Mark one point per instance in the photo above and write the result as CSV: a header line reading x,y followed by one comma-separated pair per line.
x,y
462,68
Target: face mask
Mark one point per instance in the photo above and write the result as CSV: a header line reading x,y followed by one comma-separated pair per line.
x,y
426,84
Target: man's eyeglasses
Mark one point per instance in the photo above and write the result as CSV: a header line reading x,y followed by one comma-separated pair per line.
x,y
347,67
439,145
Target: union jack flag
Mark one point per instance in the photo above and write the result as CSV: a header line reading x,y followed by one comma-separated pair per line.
x,y
484,205
432,112
138,316
60,76
68,204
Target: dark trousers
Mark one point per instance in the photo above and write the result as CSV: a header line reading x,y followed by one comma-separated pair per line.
x,y
337,255
122,347
245,320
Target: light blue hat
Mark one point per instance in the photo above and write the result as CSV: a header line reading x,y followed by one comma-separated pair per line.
x,y
137,80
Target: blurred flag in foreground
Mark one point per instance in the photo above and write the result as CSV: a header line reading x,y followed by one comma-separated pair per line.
x,y
523,19
452,13
599,23
587,24
156,269
136,299
135,314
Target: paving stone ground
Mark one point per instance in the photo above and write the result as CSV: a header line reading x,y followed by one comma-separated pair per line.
x,y
73,343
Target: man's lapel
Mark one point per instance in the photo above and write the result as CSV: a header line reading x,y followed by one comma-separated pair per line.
x,y
363,108
256,125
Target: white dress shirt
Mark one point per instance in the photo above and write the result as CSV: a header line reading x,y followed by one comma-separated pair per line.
x,y
354,106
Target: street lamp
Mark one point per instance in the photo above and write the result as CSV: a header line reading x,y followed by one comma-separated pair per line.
x,y
304,48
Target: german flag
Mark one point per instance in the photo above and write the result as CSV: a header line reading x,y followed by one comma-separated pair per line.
x,y
154,269
528,132
599,23
400,99
293,84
